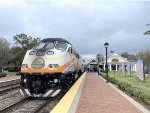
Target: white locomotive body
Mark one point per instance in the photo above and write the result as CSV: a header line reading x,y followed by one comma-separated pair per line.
x,y
48,67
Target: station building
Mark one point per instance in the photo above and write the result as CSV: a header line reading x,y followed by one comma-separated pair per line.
x,y
115,62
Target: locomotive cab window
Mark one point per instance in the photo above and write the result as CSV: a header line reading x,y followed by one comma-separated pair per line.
x,y
41,45
70,50
50,45
77,55
61,46
74,52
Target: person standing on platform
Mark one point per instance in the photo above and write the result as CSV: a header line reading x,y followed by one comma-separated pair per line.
x,y
88,68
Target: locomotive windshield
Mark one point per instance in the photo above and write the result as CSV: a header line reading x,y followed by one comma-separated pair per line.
x,y
40,45
61,46
51,45
45,45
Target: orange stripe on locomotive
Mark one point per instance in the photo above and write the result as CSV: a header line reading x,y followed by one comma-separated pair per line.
x,y
46,70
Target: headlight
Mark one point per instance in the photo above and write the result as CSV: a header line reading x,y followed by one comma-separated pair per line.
x,y
56,66
38,63
32,53
25,80
24,66
53,66
50,52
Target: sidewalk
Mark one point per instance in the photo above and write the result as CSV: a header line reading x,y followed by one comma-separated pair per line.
x,y
99,97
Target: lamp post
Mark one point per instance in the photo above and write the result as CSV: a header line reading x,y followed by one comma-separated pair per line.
x,y
106,46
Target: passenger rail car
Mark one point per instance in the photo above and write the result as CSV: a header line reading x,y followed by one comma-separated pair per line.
x,y
48,67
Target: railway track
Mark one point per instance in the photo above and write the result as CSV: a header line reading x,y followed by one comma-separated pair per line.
x,y
8,91
37,105
42,105
9,87
28,105
3,110
32,105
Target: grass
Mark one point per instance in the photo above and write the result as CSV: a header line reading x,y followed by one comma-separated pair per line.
x,y
11,73
133,85
133,80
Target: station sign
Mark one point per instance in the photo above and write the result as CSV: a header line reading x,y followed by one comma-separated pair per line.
x,y
140,69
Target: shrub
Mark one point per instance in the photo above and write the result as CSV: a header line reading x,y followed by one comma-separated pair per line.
x,y
104,71
18,73
103,75
126,87
113,80
2,74
122,85
13,68
130,90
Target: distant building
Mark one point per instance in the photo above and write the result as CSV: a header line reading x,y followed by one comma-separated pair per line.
x,y
93,62
115,62
92,66
87,58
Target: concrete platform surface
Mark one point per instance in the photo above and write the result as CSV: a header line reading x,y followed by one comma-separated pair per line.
x,y
4,81
69,102
91,94
9,78
99,97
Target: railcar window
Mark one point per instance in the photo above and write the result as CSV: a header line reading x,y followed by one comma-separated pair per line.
x,y
61,46
50,45
74,52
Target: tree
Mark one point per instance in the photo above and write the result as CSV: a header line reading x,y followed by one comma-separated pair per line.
x,y
5,53
125,54
23,43
18,56
26,42
111,52
148,31
99,57
145,55
130,57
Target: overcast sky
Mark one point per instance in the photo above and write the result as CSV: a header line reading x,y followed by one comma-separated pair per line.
x,y
86,24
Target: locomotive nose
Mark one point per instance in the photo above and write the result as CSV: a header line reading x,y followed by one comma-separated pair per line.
x,y
38,63
36,84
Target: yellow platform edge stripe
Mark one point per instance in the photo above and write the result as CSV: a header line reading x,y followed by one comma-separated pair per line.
x,y
65,103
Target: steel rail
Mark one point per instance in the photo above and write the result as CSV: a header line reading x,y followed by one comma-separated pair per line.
x,y
9,87
3,110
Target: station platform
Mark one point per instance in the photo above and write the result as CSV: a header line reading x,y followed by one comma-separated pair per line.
x,y
9,80
91,94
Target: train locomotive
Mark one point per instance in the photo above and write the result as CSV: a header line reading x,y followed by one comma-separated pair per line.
x,y
49,67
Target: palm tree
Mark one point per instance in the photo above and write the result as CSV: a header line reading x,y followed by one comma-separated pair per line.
x,y
148,31
99,58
